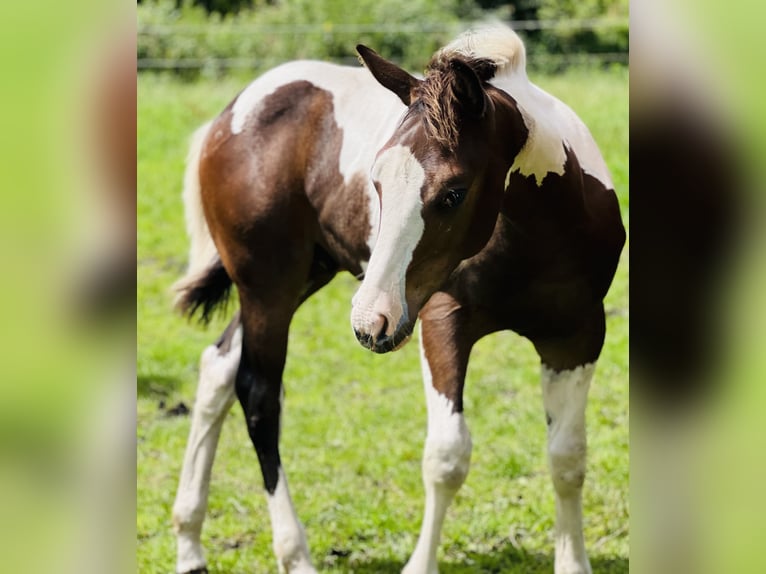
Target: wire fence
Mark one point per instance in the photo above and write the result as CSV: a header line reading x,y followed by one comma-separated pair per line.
x,y
247,63
331,31
382,27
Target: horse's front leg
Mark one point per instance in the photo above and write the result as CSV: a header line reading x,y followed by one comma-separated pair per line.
x,y
565,395
215,396
567,370
260,392
445,346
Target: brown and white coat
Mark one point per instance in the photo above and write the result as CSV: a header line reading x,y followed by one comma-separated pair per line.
x,y
470,199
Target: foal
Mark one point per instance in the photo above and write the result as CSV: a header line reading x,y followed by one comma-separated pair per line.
x,y
470,199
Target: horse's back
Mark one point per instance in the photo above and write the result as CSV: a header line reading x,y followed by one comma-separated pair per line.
x,y
287,161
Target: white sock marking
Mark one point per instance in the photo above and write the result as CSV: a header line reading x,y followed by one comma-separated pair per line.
x,y
446,460
565,396
289,538
215,396
383,290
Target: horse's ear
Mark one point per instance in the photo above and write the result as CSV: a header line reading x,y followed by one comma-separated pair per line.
x,y
469,89
389,75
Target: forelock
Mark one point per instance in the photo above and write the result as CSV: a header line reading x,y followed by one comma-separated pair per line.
x,y
438,101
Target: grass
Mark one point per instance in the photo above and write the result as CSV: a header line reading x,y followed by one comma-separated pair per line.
x,y
354,422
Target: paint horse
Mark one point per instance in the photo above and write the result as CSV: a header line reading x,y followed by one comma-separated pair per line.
x,y
470,198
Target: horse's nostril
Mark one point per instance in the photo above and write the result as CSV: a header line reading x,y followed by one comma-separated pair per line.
x,y
373,334
381,326
364,338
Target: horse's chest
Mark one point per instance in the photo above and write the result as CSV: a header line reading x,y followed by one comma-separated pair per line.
x,y
526,288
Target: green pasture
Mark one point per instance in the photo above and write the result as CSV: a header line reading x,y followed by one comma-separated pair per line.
x,y
354,422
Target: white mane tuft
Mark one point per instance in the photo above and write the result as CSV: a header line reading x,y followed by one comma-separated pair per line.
x,y
495,42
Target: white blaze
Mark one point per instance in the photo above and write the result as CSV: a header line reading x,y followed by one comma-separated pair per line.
x,y
401,226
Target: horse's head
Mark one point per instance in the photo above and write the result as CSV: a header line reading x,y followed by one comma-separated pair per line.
x,y
440,179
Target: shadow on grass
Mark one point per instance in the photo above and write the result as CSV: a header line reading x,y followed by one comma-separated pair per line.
x,y
505,560
156,386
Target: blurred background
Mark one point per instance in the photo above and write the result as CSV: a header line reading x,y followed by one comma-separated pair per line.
x,y
209,37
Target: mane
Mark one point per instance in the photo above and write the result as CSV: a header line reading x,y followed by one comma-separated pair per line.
x,y
496,43
489,51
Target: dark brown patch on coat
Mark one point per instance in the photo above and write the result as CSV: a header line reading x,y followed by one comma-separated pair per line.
x,y
447,336
274,198
342,207
548,265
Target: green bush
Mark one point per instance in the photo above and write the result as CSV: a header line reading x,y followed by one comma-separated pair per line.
x,y
604,38
407,31
294,29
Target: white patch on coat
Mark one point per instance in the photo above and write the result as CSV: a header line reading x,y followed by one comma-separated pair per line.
x,y
215,396
382,292
446,460
366,112
565,397
289,538
552,126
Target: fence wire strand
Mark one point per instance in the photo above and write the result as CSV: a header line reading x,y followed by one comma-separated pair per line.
x,y
329,30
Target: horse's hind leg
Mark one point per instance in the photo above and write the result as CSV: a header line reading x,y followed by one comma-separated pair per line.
x,y
260,392
567,370
215,396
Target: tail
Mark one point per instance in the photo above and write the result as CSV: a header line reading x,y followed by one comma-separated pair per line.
x,y
206,285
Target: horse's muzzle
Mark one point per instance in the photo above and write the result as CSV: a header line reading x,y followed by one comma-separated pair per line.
x,y
380,320
384,343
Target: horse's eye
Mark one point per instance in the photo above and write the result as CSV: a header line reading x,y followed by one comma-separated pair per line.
x,y
453,197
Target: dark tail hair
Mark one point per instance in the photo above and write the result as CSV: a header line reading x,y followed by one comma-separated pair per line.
x,y
207,291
